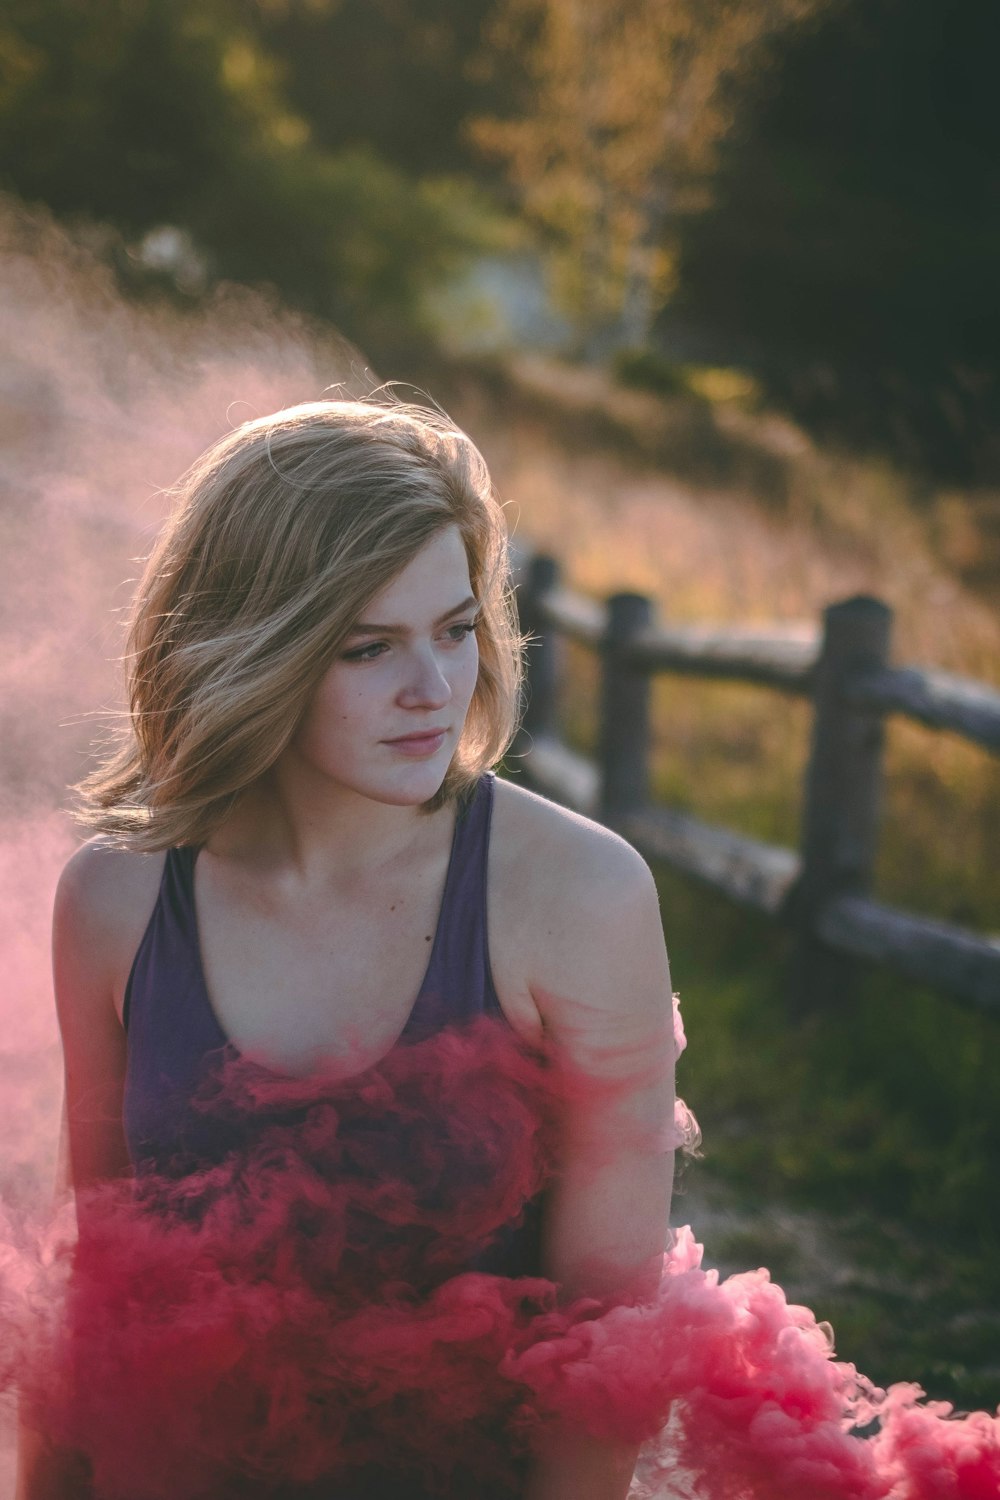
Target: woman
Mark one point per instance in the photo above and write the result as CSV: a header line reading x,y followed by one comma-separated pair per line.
x,y
323,667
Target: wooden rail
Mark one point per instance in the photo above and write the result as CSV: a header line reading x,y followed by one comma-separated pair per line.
x,y
823,892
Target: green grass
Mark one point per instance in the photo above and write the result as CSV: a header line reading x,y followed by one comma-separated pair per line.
x,y
884,1116
879,1120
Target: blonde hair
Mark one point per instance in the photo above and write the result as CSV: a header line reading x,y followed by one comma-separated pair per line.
x,y
282,533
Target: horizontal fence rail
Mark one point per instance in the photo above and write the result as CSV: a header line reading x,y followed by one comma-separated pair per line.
x,y
823,891
938,699
785,661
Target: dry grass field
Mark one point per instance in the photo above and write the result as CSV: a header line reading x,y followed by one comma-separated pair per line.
x,y
772,546
855,1153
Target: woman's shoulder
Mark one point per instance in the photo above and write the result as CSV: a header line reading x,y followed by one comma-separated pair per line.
x,y
103,902
558,858
102,881
578,914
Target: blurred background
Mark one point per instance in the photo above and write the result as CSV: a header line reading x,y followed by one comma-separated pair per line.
x,y
713,284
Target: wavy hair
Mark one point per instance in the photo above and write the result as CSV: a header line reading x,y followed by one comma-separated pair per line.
x,y
282,533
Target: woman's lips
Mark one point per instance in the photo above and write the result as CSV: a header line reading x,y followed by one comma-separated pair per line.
x,y
425,744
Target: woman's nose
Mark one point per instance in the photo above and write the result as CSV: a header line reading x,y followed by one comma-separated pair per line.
x,y
426,683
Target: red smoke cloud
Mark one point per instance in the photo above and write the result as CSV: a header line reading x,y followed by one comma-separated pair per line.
x,y
308,1302
299,1303
102,405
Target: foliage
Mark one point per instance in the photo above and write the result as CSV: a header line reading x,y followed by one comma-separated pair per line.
x,y
171,112
884,1115
625,105
353,237
399,76
850,252
116,110
646,370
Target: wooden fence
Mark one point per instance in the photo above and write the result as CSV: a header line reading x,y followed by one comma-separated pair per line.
x,y
822,892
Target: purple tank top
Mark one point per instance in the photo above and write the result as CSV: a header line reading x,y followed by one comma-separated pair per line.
x,y
173,1033
172,1030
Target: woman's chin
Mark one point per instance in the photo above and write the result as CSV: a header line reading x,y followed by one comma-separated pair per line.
x,y
409,785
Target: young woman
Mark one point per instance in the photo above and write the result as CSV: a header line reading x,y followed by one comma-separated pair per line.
x,y
302,849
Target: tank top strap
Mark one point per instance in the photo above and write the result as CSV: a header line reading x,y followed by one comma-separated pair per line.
x,y
178,885
458,984
171,936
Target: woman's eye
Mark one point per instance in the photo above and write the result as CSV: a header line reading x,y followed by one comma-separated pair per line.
x,y
362,653
457,633
368,653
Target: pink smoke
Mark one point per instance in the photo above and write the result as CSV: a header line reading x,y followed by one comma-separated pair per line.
x,y
102,405
303,1305
733,1393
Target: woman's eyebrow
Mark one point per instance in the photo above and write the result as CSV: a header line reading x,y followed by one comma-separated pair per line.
x,y
367,628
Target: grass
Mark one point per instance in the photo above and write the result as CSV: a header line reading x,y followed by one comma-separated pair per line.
x,y
732,554
884,1117
881,1120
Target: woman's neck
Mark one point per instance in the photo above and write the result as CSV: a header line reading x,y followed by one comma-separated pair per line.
x,y
313,831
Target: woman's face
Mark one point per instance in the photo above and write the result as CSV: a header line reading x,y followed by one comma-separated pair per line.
x,y
388,683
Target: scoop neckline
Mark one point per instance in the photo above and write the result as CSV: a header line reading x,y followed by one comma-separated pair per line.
x,y
189,854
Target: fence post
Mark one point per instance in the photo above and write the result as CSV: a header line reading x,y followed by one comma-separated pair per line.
x,y
842,799
624,727
542,669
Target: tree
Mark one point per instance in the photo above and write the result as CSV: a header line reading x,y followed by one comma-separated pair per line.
x,y
849,256
625,103
154,114
397,76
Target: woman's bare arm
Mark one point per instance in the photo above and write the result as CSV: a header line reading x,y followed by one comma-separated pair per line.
x,y
603,989
96,890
